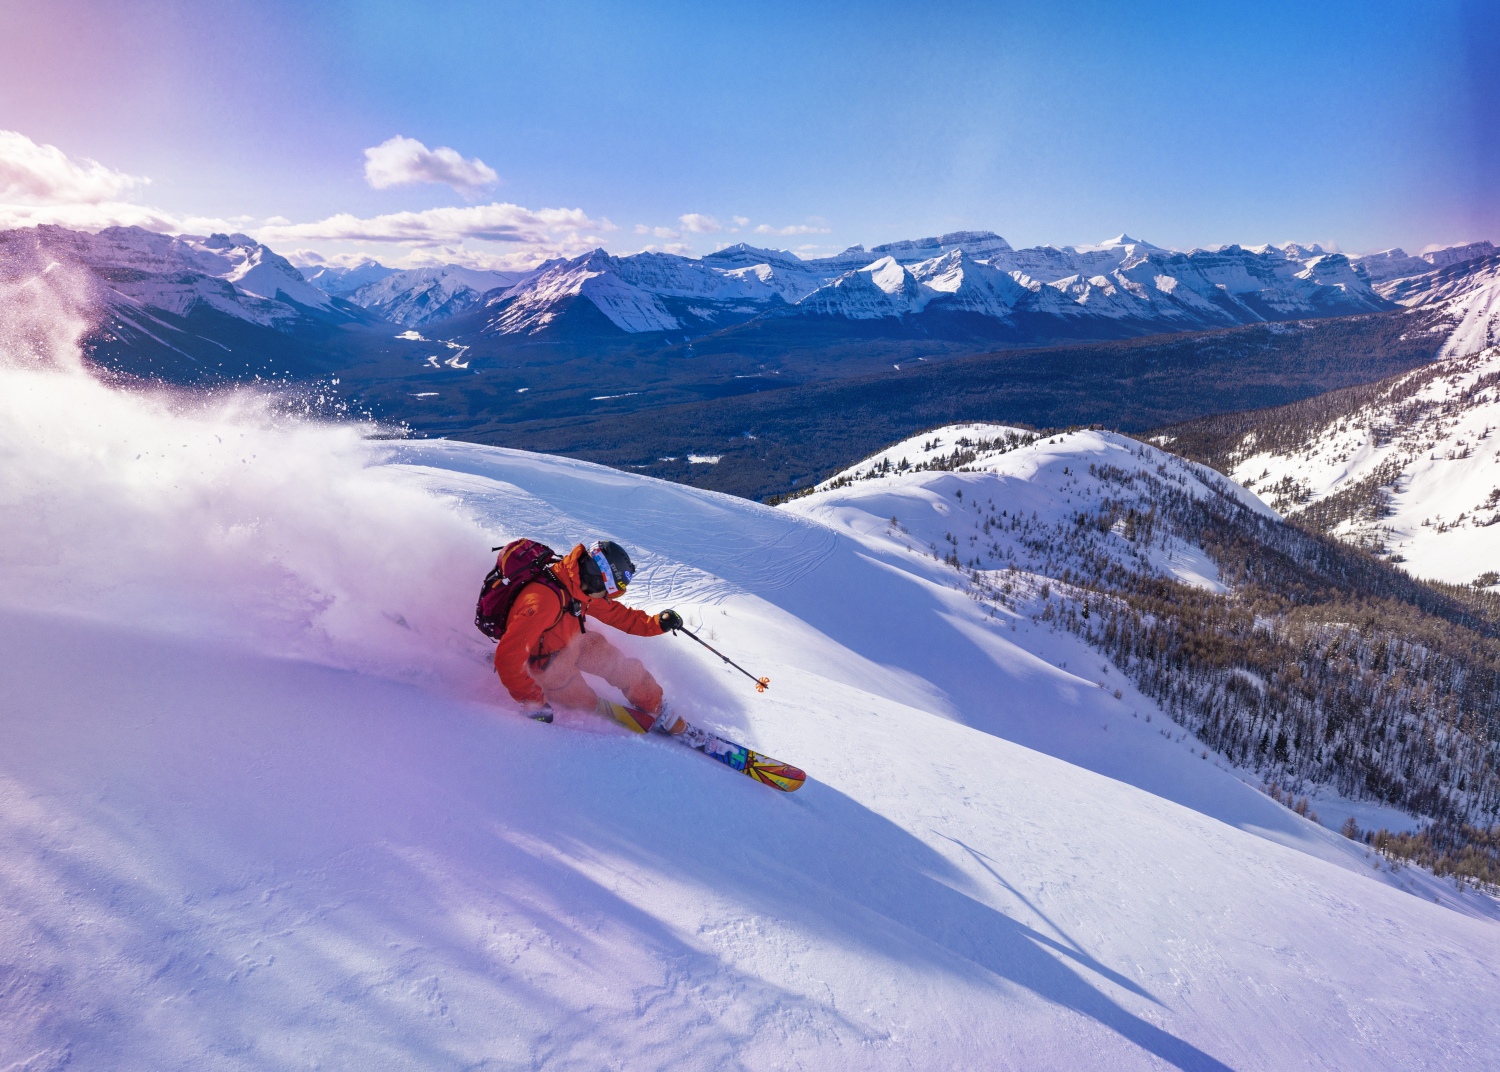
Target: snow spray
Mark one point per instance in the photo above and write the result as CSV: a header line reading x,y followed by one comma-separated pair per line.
x,y
220,514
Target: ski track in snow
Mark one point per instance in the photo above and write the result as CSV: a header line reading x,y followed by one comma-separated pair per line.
x,y
262,804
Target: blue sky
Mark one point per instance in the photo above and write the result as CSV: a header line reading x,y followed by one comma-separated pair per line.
x,y
1363,124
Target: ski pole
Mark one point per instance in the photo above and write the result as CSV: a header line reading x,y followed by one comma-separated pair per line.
x,y
761,683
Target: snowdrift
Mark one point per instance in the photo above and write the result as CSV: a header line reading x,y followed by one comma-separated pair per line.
x,y
263,804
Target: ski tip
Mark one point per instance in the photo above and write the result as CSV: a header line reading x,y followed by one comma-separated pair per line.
x,y
777,775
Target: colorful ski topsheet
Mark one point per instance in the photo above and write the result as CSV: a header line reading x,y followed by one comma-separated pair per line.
x,y
763,769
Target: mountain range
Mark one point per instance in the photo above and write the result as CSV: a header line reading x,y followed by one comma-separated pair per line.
x,y
419,296
189,308
454,349
968,283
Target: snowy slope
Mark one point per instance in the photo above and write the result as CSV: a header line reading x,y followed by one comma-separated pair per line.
x,y
263,805
1463,296
1415,465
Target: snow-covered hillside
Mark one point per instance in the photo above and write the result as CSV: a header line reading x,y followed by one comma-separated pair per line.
x,y
263,805
1197,589
1409,467
1462,296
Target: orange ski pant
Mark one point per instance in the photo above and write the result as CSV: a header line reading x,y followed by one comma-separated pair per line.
x,y
561,676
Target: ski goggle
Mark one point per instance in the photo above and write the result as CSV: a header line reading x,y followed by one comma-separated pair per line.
x,y
613,585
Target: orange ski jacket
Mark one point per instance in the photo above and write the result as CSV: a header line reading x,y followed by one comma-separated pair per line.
x,y
540,625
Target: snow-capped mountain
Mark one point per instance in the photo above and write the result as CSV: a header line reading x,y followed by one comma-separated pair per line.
x,y
962,283
884,288
647,292
279,814
1408,467
141,273
419,296
343,280
980,245
185,307
179,305
1397,263
1118,288
1050,263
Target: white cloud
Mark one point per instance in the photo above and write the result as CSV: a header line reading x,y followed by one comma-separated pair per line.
x,y
741,221
698,223
45,175
682,249
665,233
814,225
496,222
40,184
405,162
424,257
311,258
87,217
437,256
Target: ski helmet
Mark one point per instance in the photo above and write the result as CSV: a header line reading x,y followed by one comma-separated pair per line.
x,y
606,569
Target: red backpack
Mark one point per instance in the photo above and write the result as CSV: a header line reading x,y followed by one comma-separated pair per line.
x,y
520,562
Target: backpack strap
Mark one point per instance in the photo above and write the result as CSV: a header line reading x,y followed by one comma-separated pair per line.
x,y
566,603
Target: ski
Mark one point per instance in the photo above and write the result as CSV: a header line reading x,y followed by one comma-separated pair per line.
x,y
737,757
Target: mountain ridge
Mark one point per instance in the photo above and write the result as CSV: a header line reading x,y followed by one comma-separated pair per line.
x,y
1116,289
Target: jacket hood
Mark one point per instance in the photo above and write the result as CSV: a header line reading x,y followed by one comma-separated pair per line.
x,y
571,577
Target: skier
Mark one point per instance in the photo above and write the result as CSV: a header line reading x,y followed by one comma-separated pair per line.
x,y
545,645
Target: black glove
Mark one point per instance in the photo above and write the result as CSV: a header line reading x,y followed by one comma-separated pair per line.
x,y
541,714
669,620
